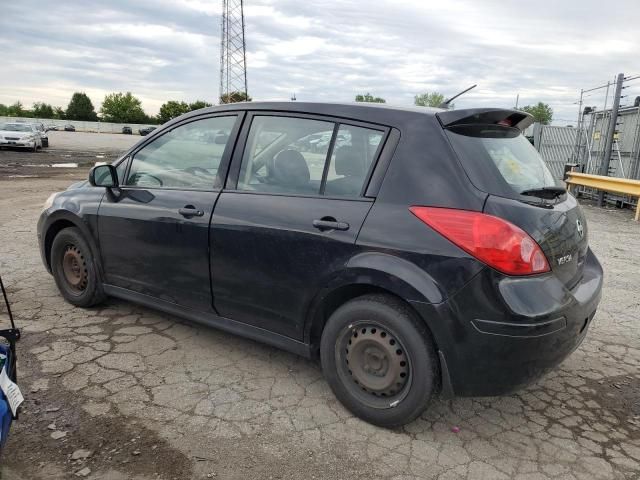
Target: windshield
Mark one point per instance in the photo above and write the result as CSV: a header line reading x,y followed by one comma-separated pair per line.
x,y
15,127
500,160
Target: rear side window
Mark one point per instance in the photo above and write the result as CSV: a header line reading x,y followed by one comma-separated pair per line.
x,y
285,155
290,155
499,160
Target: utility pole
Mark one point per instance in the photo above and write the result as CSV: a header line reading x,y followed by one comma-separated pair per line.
x,y
233,60
576,149
604,168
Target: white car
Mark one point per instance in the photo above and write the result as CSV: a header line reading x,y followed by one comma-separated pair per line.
x,y
23,135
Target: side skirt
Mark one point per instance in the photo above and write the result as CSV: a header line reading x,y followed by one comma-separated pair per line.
x,y
212,320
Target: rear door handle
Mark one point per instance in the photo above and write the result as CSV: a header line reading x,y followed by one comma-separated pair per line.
x,y
329,223
189,211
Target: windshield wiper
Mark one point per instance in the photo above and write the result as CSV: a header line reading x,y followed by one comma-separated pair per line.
x,y
545,192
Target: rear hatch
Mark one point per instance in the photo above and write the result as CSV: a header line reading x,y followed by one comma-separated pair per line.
x,y
500,161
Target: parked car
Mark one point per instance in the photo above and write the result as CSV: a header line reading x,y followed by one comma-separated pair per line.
x,y
69,128
42,131
20,135
144,131
127,130
431,251
52,128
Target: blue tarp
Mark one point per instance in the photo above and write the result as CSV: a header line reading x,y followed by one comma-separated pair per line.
x,y
5,411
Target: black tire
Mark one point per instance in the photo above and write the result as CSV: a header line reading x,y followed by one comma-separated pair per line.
x,y
388,393
45,143
74,269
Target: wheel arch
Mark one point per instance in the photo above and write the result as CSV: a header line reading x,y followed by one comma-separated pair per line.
x,y
57,222
372,273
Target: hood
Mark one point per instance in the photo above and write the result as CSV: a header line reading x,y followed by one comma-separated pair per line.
x,y
81,184
13,133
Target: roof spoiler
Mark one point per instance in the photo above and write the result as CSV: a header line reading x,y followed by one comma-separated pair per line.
x,y
486,116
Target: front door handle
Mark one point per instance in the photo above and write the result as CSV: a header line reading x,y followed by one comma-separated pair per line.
x,y
189,211
329,223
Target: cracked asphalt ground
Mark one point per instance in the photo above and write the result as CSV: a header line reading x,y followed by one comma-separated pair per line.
x,y
153,397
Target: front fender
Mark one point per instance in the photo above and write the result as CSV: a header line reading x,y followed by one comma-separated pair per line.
x,y
78,207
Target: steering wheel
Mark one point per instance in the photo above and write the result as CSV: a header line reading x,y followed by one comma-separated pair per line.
x,y
135,179
196,170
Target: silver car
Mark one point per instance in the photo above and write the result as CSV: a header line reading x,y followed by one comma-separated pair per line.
x,y
23,135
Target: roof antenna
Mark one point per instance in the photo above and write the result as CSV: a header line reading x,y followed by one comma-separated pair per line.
x,y
446,103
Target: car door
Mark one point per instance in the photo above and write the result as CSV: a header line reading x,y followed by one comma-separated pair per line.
x,y
290,215
154,230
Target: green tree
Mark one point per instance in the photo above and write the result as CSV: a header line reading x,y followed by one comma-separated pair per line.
x,y
541,112
367,97
42,110
58,113
172,109
198,104
122,108
235,97
433,99
15,110
3,110
81,108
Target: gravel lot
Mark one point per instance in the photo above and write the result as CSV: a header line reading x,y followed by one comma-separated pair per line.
x,y
149,397
68,151
94,142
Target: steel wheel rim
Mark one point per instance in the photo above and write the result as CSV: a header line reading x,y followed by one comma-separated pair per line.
x,y
74,269
374,365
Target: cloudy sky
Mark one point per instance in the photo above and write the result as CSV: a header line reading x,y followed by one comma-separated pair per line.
x,y
321,50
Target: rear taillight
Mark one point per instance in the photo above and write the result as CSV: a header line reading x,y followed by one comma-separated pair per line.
x,y
492,240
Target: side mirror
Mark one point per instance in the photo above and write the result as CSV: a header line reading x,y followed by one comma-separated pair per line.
x,y
103,176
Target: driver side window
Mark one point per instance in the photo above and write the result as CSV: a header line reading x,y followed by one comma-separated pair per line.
x,y
187,157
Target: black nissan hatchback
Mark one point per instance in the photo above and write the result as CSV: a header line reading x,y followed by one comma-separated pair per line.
x,y
413,251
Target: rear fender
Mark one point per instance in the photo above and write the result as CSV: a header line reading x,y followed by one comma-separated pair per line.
x,y
370,272
397,275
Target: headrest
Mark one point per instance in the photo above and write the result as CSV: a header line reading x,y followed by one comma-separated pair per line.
x,y
349,162
289,167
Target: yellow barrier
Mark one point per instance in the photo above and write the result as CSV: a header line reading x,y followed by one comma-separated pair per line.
x,y
608,184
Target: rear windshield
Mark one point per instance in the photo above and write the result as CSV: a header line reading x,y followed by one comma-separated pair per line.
x,y
499,160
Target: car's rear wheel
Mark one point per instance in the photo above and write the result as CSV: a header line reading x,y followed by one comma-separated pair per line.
x,y
379,360
74,269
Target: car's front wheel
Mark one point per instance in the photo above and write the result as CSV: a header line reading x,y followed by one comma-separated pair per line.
x,y
379,360
74,269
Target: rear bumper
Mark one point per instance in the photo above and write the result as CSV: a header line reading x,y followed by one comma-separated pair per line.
x,y
500,333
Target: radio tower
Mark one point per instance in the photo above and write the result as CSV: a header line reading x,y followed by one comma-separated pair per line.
x,y
233,61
